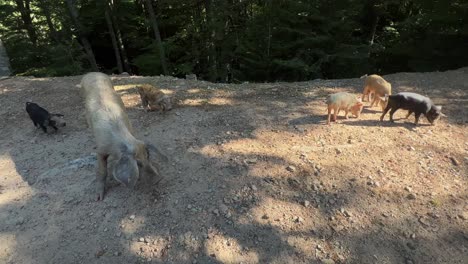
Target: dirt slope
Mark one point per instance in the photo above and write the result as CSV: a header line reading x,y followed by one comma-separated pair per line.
x,y
255,176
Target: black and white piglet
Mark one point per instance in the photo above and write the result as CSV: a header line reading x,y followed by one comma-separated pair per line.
x,y
414,103
42,118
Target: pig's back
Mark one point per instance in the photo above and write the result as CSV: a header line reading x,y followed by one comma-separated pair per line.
x,y
414,101
342,99
105,108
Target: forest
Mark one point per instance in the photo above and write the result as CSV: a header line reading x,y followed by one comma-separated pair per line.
x,y
234,40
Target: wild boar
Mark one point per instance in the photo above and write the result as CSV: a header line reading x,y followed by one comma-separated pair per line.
x,y
414,103
343,101
118,151
42,118
374,84
152,98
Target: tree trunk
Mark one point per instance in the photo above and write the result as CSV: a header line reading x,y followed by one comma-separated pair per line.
x,y
25,11
46,12
120,43
157,35
212,62
114,39
373,30
79,27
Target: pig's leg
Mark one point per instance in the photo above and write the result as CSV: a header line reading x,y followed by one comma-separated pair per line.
x,y
374,101
101,175
409,113
144,101
365,93
346,114
335,112
44,128
391,114
329,115
384,112
417,118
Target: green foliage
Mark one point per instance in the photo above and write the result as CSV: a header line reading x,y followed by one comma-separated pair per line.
x,y
238,40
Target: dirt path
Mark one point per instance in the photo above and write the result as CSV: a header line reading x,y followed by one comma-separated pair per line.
x,y
254,177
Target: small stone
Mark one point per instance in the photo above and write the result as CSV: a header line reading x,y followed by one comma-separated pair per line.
x,y
411,148
328,261
99,253
265,216
132,217
338,151
411,196
411,245
377,184
20,221
408,189
413,236
216,212
319,247
298,219
454,161
250,161
423,221
254,188
291,168
463,215
306,203
141,239
117,253
189,206
223,209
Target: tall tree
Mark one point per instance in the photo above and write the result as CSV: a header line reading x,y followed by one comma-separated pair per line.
x,y
115,45
84,40
157,35
210,41
120,43
24,8
44,5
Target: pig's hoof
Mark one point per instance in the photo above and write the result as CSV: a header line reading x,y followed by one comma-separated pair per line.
x,y
100,195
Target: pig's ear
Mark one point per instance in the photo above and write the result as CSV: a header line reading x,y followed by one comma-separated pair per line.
x,y
126,170
153,151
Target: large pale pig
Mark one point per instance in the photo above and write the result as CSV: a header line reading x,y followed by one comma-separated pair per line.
x,y
414,103
118,151
343,101
379,87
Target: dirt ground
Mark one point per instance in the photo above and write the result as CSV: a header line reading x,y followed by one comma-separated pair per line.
x,y
254,176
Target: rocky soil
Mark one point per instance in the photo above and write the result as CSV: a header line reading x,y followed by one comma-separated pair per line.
x,y
254,176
